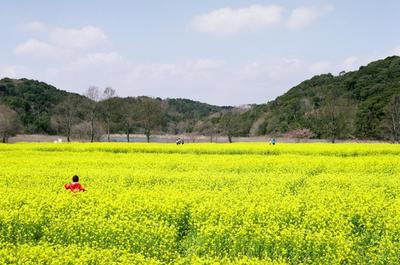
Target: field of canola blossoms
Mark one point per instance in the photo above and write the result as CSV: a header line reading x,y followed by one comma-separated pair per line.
x,y
200,204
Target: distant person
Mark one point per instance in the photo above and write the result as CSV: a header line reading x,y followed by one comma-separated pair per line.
x,y
75,186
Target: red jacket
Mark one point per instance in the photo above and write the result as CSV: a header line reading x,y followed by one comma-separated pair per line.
x,y
74,186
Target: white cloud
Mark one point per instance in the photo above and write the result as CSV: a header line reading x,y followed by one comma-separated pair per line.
x,y
60,42
37,48
269,69
302,17
98,60
102,57
209,80
189,70
204,79
229,21
83,38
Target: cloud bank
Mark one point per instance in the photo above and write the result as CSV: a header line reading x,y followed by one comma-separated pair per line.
x,y
75,58
60,42
228,21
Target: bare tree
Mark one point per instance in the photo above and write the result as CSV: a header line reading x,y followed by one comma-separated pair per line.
x,y
108,94
83,131
150,115
335,116
64,116
9,124
129,117
393,118
230,123
92,93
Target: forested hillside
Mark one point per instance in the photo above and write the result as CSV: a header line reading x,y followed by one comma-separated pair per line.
x,y
363,104
360,104
34,102
42,108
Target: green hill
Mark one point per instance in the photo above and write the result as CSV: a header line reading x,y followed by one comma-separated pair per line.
x,y
359,98
35,102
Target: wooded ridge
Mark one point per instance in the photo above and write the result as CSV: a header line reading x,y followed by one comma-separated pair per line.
x,y
363,104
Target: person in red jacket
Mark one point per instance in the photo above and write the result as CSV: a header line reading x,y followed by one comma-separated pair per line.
x,y
75,186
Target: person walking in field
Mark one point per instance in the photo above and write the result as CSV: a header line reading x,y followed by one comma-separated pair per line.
x,y
179,141
75,186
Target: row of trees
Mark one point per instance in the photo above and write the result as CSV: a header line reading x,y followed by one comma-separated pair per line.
x,y
105,113
102,112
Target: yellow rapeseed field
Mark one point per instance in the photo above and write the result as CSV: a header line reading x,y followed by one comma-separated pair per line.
x,y
200,204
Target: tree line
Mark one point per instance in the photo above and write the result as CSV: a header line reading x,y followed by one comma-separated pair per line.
x,y
101,113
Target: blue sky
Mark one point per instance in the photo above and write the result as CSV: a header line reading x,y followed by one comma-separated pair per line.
x,y
220,52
